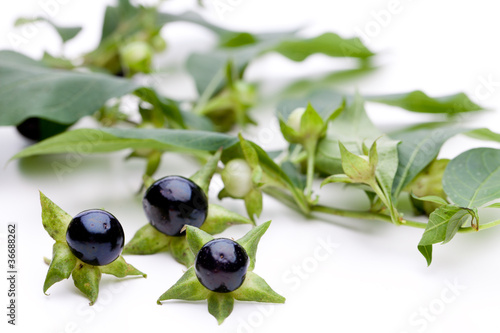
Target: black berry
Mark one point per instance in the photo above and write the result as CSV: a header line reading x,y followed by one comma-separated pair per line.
x,y
38,129
172,202
95,237
221,265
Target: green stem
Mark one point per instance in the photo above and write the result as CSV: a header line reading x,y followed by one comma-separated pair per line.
x,y
380,193
310,173
481,227
365,215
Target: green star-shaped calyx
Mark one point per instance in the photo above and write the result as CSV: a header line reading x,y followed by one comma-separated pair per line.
x,y
220,305
64,263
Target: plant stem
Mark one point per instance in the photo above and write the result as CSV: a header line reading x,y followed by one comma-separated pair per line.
x,y
387,202
365,216
310,173
481,227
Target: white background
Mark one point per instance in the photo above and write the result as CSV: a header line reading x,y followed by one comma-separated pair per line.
x,y
374,280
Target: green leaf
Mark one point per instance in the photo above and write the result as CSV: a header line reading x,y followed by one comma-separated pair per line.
x,y
87,278
120,268
186,288
442,226
66,33
251,240
456,222
220,305
426,251
147,240
472,179
494,205
58,95
62,264
417,149
172,111
419,102
196,238
54,219
328,43
220,218
203,176
432,198
180,250
253,203
113,139
255,289
484,134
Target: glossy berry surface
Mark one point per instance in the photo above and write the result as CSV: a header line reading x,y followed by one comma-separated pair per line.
x,y
95,237
38,129
221,265
172,202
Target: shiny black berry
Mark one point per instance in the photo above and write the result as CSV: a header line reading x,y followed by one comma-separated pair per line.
x,y
172,202
95,237
38,129
221,265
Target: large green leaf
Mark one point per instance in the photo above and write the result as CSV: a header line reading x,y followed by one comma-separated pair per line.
x,y
472,179
417,149
328,43
418,101
113,139
29,89
208,68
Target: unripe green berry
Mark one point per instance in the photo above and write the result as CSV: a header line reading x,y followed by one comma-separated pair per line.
x,y
295,118
237,178
137,56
